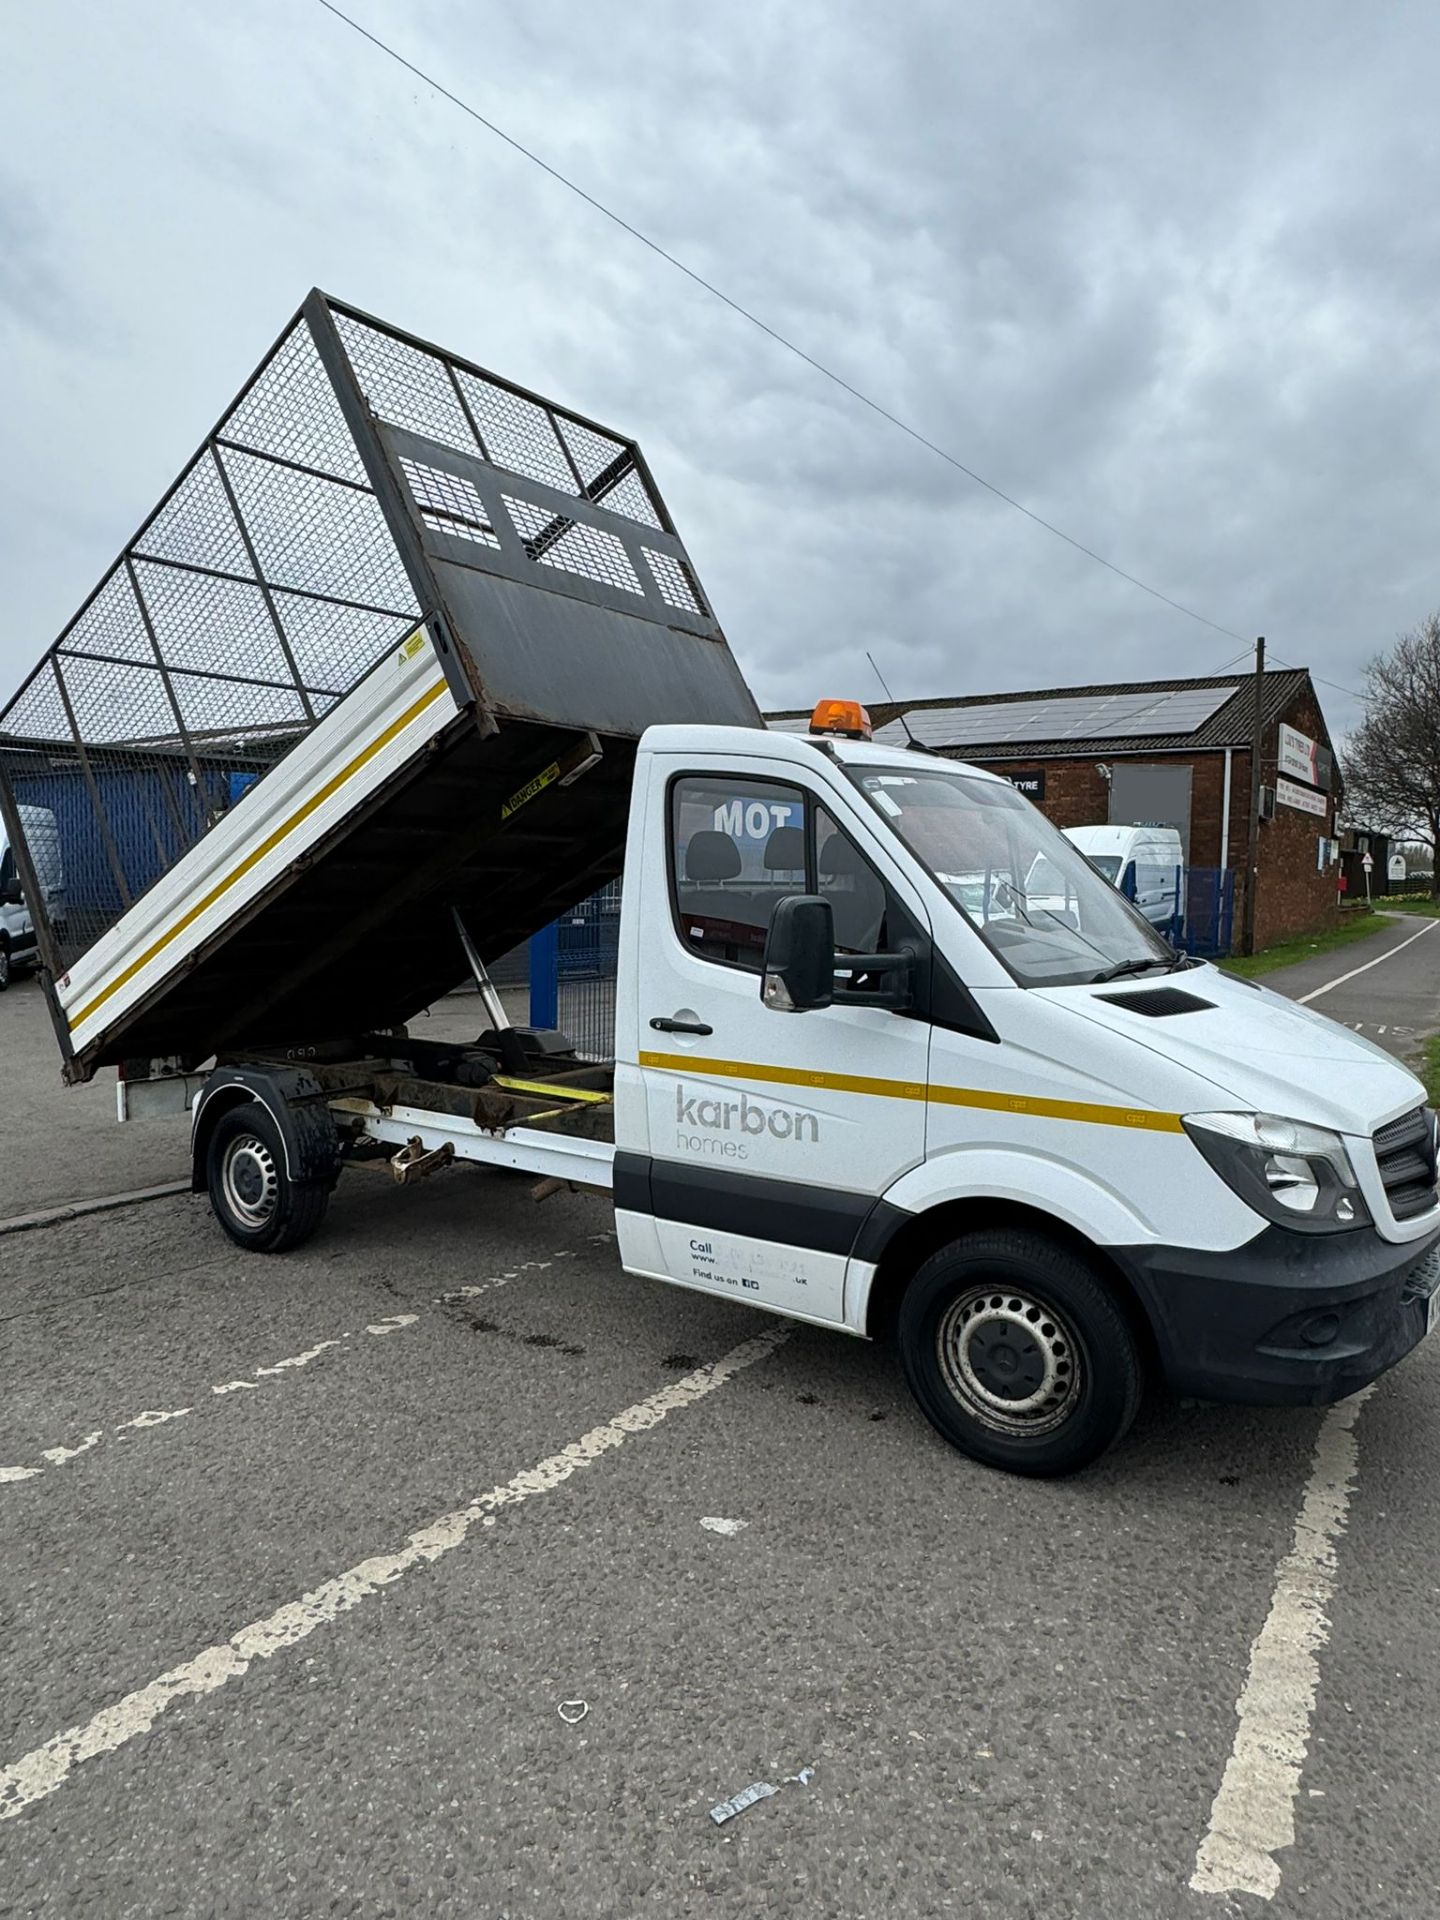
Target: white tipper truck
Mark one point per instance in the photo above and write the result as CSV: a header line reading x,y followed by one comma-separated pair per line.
x,y
1045,1153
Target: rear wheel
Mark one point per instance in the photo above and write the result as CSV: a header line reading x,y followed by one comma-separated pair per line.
x,y
251,1194
1018,1354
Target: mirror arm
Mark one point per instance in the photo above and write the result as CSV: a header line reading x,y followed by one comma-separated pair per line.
x,y
875,962
897,994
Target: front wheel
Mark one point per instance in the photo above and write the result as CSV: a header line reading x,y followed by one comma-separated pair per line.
x,y
1018,1354
4,965
251,1193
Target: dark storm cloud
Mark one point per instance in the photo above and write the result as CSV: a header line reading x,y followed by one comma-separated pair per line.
x,y
1167,275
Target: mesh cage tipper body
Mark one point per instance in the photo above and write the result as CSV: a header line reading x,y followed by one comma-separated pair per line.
x,y
208,781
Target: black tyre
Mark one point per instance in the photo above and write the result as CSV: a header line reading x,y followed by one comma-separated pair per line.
x,y
5,965
251,1195
1018,1354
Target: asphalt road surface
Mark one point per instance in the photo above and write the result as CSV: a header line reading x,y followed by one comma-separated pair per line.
x,y
300,1560
1387,988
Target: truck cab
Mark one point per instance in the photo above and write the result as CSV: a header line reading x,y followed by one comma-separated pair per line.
x,y
1040,1146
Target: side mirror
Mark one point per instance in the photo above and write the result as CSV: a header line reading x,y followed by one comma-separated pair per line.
x,y
10,894
799,955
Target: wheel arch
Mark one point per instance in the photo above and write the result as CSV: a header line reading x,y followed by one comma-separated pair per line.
x,y
293,1100
915,1237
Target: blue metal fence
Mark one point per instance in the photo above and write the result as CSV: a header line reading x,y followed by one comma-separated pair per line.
x,y
1208,928
572,973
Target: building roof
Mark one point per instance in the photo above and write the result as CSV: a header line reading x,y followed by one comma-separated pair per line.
x,y
1134,716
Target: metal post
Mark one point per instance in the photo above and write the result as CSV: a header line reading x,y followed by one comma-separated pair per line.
x,y
545,977
1252,854
1225,814
282,639
182,732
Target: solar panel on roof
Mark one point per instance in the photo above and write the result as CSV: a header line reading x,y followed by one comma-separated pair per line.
x,y
1088,716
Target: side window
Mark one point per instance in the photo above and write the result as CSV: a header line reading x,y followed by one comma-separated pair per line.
x,y
736,846
855,891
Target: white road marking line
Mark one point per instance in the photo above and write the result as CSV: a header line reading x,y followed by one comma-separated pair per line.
x,y
57,1456
393,1323
46,1768
714,1524
1253,1816
1330,985
297,1360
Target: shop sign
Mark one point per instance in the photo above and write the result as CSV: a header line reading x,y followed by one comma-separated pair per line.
x,y
1303,799
1303,758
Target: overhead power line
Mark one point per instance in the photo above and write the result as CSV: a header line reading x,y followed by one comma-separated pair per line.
x,y
1334,685
773,333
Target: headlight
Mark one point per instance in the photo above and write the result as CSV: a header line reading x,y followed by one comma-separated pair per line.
x,y
1287,1171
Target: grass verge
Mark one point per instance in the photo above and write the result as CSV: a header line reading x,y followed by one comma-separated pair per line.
x,y
1354,927
1426,909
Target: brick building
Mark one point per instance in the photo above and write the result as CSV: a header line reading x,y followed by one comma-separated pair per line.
x,y
1172,751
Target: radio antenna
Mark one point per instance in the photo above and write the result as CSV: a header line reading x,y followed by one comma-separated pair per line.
x,y
918,746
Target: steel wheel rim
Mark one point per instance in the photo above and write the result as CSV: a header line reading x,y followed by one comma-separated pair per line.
x,y
250,1180
1010,1360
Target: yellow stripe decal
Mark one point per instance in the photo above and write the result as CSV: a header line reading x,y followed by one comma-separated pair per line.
x,y
1142,1118
253,859
553,1090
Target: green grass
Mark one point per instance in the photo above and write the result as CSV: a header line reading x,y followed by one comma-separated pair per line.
x,y
1430,1068
1355,926
1426,908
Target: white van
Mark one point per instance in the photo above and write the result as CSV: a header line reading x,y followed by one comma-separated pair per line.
x,y
18,945
1041,1148
1146,863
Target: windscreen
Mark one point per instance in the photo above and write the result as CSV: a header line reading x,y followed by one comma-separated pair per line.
x,y
1108,864
1038,904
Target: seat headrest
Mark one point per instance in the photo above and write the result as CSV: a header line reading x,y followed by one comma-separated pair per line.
x,y
711,855
785,851
839,857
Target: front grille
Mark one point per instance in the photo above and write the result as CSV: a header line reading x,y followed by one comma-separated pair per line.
x,y
1405,1152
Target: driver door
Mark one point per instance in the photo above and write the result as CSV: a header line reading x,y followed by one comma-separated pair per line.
x,y
772,1134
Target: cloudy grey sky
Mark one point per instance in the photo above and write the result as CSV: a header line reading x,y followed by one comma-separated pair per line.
x,y
1169,274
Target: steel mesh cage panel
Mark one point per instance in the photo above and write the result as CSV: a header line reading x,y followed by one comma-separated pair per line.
x,y
291,413
263,587
593,454
674,581
448,502
197,526
274,576
406,384
316,536
573,546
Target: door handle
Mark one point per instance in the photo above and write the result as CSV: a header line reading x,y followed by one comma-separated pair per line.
x,y
662,1025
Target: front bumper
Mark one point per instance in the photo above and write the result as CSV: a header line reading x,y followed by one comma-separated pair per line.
x,y
1289,1319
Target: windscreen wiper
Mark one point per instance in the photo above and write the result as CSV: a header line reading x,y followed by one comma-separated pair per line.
x,y
1124,967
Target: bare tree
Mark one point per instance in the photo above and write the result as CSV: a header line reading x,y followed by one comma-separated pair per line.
x,y
1392,760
